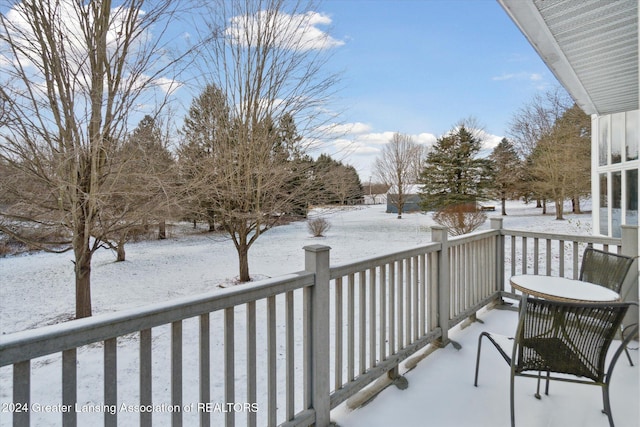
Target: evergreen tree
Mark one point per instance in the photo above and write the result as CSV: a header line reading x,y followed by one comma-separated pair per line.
x,y
144,187
453,173
507,172
207,124
335,182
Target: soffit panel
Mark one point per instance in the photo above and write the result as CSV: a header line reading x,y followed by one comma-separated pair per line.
x,y
590,45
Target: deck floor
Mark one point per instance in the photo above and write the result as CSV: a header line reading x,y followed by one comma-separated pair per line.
x,y
441,391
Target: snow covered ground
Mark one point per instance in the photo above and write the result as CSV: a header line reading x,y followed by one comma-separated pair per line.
x,y
38,289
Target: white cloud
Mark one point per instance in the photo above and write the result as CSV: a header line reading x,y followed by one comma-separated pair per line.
x,y
295,32
347,128
534,77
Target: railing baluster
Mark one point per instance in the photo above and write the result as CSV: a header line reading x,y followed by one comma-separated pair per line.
x,y
433,291
229,364
372,318
252,370
290,382
561,266
22,392
145,376
351,339
176,372
400,302
272,385
524,255
69,386
408,304
416,271
548,257
204,362
307,325
392,308
513,256
110,381
338,334
423,302
576,255
362,311
536,255
383,312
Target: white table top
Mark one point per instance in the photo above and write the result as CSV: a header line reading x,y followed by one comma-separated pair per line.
x,y
562,289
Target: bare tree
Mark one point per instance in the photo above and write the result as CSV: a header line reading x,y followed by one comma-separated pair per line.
x,y
532,124
535,119
396,167
267,59
73,73
561,160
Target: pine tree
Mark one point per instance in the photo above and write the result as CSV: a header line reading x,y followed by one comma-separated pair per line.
x,y
507,172
453,173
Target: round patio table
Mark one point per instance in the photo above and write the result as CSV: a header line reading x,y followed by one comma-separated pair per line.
x,y
562,289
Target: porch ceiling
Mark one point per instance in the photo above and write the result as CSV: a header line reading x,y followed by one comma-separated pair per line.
x,y
590,45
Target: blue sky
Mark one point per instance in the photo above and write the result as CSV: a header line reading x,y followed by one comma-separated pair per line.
x,y
420,66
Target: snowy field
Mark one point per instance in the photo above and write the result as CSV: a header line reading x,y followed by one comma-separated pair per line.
x,y
38,289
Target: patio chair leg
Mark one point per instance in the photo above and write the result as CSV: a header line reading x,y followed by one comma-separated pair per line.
x,y
512,400
475,381
607,404
626,350
546,388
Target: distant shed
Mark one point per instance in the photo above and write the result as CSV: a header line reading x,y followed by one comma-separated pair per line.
x,y
411,200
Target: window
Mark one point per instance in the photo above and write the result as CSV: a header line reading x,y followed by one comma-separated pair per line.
x,y
616,203
617,137
632,134
632,197
603,141
604,210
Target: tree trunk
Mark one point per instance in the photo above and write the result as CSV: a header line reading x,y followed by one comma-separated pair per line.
x,y
243,258
162,230
559,209
83,279
544,208
540,205
121,255
504,206
575,202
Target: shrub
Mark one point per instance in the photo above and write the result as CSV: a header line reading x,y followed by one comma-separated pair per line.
x,y
460,219
318,226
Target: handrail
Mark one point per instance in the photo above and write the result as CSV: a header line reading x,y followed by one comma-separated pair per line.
x,y
33,343
360,319
599,240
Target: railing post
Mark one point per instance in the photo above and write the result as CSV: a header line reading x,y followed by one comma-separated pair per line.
x,y
630,287
441,234
317,261
496,224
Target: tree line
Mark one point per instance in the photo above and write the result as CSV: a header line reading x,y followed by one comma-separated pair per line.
x,y
546,158
75,177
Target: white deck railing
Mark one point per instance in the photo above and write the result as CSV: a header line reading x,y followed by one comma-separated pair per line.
x,y
288,349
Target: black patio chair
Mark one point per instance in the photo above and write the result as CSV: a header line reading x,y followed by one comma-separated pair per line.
x,y
562,338
606,269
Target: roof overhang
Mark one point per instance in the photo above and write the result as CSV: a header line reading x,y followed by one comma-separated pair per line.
x,y
591,46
